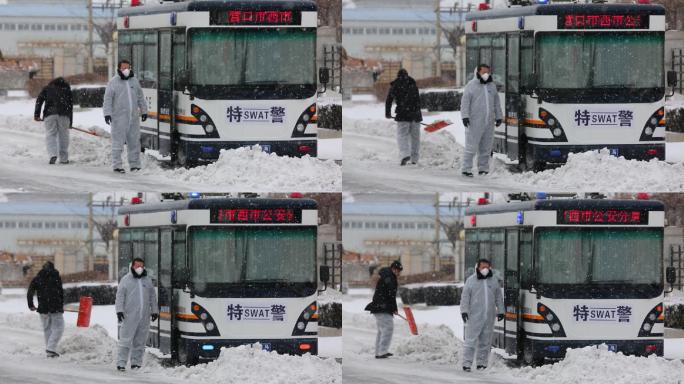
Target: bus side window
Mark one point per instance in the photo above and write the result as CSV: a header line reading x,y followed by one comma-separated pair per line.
x,y
513,54
472,56
471,253
148,72
497,253
179,258
485,45
527,61
526,257
498,63
125,45
125,252
136,50
178,58
151,255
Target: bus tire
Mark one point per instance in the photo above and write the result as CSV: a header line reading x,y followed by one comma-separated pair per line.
x,y
184,356
182,158
530,163
530,358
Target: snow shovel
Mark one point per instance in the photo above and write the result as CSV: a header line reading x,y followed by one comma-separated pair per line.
x,y
95,131
410,320
436,126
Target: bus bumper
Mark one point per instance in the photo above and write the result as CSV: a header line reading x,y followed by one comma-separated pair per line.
x,y
559,154
210,150
209,349
555,349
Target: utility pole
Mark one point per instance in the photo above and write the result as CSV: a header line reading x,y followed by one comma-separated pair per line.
x,y
91,68
438,47
438,228
91,224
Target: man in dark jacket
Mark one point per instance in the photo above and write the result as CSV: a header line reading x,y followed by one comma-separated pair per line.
x,y
58,116
48,285
384,307
404,92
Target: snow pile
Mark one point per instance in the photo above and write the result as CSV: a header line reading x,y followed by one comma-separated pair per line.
x,y
251,364
92,345
256,170
329,296
590,365
433,344
598,170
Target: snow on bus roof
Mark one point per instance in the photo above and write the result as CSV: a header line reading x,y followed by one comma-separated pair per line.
x,y
559,9
550,205
219,203
217,5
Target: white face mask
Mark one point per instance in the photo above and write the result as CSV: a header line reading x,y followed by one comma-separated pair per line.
x,y
126,72
484,271
139,270
484,76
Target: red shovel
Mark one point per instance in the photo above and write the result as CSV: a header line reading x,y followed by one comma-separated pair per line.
x,y
437,125
410,320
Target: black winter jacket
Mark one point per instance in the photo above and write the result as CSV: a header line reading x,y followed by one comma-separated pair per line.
x,y
48,284
58,100
404,92
385,296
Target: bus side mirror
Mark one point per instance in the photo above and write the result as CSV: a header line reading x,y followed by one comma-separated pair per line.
x,y
324,275
671,78
670,275
323,75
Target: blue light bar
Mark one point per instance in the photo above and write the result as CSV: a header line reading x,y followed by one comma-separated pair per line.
x,y
174,217
540,195
555,153
542,1
194,195
521,22
520,218
208,347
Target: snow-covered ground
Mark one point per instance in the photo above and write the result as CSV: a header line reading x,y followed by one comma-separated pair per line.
x,y
371,161
23,162
435,354
87,355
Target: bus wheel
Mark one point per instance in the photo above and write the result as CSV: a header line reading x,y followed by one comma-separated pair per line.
x,y
182,159
184,356
529,357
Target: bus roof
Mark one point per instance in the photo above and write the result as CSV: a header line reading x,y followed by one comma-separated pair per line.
x,y
218,5
552,205
562,9
218,203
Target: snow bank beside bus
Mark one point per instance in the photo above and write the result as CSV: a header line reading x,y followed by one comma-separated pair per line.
x,y
591,365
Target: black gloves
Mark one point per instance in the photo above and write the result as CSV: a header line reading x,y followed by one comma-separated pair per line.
x,y
466,121
144,116
120,316
500,316
498,122
465,317
108,119
155,316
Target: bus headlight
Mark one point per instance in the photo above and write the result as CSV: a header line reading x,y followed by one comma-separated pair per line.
x,y
652,316
647,327
557,132
551,121
552,124
308,316
210,128
300,127
210,326
549,317
203,118
654,121
551,320
305,117
301,325
203,316
555,327
648,131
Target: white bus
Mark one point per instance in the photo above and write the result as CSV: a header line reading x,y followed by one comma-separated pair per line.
x,y
574,272
574,77
228,272
225,74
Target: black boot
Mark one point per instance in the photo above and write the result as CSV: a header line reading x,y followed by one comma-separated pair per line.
x,y
467,174
53,159
121,368
483,173
405,160
119,170
481,367
135,367
467,369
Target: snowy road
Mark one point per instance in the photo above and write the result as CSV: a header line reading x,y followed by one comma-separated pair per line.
x,y
23,163
371,162
360,368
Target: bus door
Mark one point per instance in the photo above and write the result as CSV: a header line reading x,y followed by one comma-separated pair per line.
x,y
513,116
165,290
165,106
512,302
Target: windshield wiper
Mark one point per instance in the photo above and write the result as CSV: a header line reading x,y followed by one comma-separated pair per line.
x,y
266,281
612,86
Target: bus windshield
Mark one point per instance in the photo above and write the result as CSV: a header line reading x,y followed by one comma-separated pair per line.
x,y
599,255
243,255
605,60
253,58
